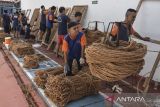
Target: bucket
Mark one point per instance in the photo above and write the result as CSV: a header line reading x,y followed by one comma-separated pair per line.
x,y
7,40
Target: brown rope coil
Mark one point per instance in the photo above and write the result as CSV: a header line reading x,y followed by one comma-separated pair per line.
x,y
115,63
61,89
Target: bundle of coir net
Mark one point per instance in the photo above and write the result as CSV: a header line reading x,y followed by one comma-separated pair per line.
x,y
20,48
32,61
115,63
42,75
63,89
94,36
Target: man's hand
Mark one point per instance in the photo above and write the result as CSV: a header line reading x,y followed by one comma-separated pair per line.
x,y
66,68
82,61
146,39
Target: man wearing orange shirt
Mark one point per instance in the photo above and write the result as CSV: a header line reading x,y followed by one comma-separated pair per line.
x,y
73,47
124,29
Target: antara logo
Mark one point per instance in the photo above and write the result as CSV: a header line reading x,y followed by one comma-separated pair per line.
x,y
130,99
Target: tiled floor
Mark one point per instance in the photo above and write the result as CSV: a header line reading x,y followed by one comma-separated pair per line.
x,y
10,92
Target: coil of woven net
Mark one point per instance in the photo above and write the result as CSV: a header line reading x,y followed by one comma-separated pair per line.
x,y
61,89
42,75
115,63
20,48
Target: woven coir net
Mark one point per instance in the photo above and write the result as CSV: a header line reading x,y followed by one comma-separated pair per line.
x,y
115,63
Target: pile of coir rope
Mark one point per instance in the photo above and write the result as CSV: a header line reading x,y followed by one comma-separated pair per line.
x,y
61,89
42,75
115,63
20,48
32,61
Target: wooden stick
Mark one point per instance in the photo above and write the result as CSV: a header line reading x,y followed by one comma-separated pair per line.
x,y
148,79
139,5
155,41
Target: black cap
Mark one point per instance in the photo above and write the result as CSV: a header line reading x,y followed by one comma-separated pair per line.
x,y
72,24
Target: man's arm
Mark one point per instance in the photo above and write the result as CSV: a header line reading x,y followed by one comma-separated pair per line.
x,y
65,50
65,57
140,37
83,44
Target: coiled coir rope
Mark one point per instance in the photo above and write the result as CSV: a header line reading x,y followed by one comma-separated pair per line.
x,y
115,63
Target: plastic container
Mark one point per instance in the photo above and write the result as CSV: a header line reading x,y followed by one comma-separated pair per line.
x,y
8,40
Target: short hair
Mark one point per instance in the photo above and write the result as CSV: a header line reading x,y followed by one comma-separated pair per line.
x,y
22,14
72,24
130,10
17,12
42,6
78,14
53,8
61,9
5,11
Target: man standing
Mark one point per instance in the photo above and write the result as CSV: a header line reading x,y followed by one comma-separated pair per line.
x,y
6,22
124,29
42,22
73,48
49,22
63,19
78,16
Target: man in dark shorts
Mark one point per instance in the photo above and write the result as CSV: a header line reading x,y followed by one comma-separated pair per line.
x,y
6,22
42,22
63,19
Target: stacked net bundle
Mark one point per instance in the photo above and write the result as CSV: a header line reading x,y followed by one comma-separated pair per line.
x,y
61,89
30,61
115,63
42,75
20,48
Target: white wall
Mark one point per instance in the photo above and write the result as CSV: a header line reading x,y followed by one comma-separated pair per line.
x,y
105,10
147,22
